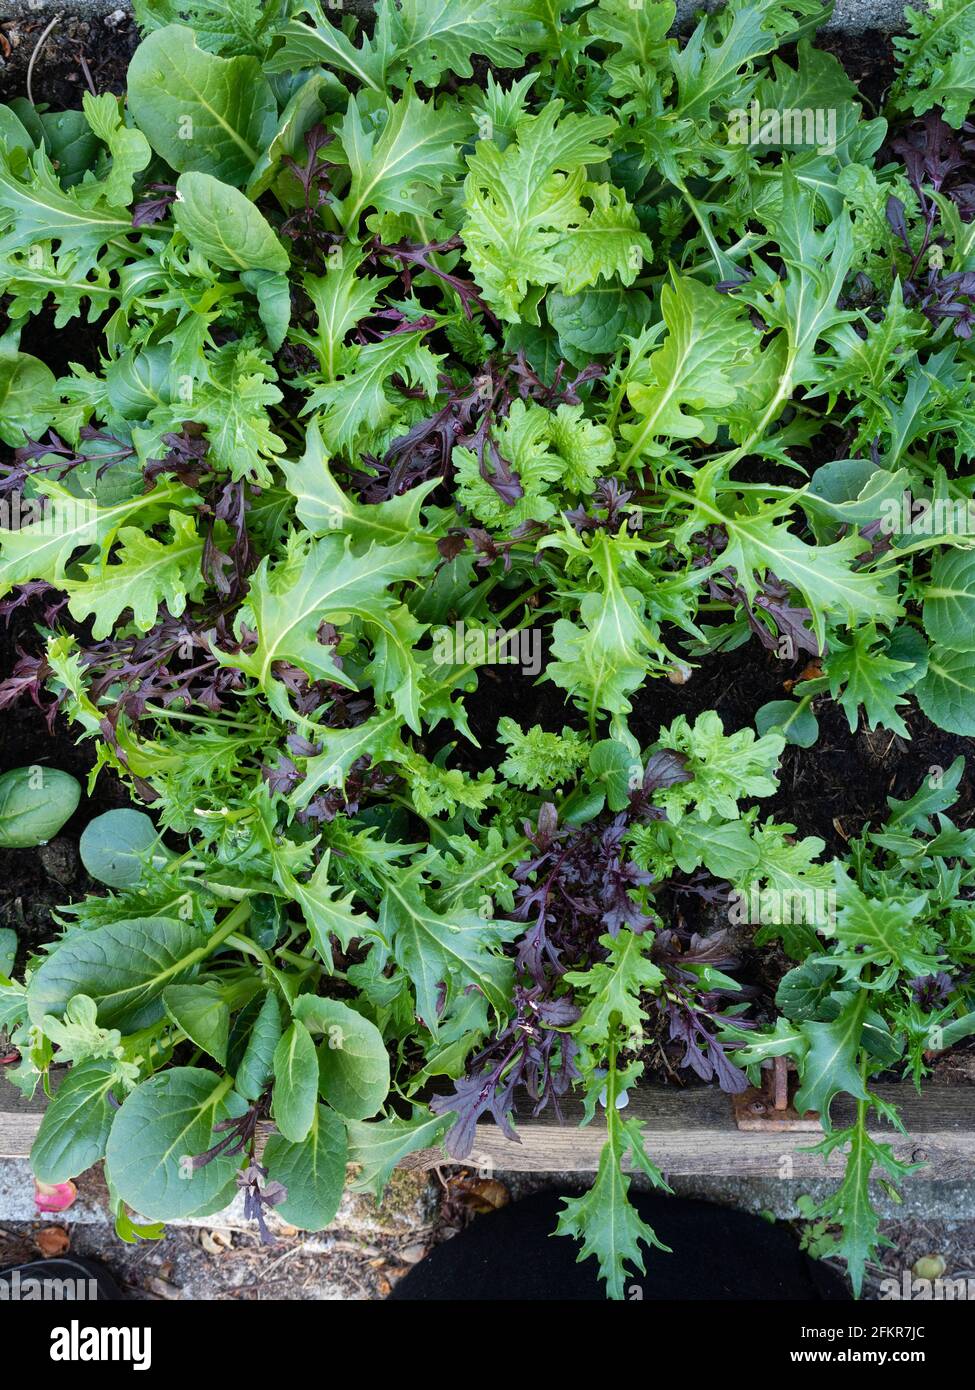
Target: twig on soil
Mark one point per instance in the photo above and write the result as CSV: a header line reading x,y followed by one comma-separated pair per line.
x,y
33,57
87,72
266,1274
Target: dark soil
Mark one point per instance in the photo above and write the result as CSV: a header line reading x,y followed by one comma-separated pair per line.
x,y
59,69
868,58
831,790
35,882
841,784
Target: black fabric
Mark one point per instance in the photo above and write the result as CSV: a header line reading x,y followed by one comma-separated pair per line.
x,y
718,1253
73,1267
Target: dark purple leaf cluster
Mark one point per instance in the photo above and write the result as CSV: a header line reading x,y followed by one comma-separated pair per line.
x,y
933,154
577,885
467,418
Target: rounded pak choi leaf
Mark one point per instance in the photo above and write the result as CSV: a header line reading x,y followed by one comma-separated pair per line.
x,y
949,601
116,846
295,1083
162,1125
123,966
353,1059
199,111
76,1124
313,1171
947,692
203,1015
225,226
34,804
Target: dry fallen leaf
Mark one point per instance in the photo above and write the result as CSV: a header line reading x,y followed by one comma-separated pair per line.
x,y
486,1194
162,1289
411,1254
53,1241
929,1267
679,673
216,1242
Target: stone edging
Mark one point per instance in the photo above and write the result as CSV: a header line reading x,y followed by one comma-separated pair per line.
x,y
853,16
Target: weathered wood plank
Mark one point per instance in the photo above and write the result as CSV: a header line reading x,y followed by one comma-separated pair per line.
x,y
688,1133
19,1119
692,1134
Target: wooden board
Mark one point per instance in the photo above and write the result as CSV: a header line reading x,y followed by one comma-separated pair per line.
x,y
692,1134
19,1120
688,1133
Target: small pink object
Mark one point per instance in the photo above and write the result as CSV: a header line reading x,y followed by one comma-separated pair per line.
x,y
54,1196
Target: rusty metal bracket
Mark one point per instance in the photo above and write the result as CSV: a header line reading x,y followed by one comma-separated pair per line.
x,y
770,1108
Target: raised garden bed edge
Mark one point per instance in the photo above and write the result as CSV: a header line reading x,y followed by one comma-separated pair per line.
x,y
689,1133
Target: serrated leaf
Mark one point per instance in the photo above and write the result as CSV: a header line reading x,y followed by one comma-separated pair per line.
x,y
937,60
825,575
850,1206
380,1145
37,209
428,41
879,931
677,391
322,506
361,402
444,954
830,1063
146,573
129,148
42,550
523,201
614,986
325,914
604,1220
289,604
417,145
861,674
